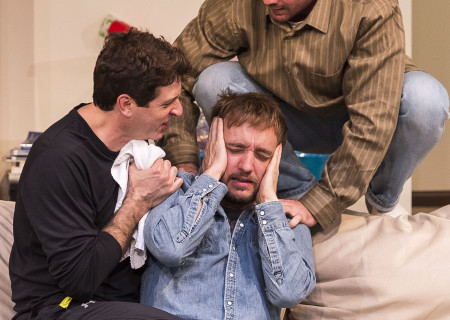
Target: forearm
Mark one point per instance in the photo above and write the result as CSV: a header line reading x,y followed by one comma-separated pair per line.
x,y
372,86
87,270
124,222
286,256
174,229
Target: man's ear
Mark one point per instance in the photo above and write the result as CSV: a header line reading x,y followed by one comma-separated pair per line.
x,y
125,104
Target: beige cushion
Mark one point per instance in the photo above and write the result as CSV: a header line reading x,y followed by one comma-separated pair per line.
x,y
379,267
6,240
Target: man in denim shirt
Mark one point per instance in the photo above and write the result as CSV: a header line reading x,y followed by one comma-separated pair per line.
x,y
221,246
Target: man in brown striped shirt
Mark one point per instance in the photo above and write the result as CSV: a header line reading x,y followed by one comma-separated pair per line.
x,y
339,72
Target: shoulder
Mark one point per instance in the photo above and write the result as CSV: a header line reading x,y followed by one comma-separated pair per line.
x,y
367,6
236,11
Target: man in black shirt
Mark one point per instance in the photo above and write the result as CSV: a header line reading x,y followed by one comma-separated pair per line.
x,y
68,243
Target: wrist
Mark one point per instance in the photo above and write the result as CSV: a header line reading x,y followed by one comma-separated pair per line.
x,y
213,173
267,198
135,208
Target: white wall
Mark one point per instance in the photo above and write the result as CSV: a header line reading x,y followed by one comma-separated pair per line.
x,y
431,52
48,50
16,77
67,44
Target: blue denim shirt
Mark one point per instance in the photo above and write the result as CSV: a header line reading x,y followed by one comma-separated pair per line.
x,y
197,270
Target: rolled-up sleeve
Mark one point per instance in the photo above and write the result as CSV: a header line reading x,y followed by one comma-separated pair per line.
x,y
372,87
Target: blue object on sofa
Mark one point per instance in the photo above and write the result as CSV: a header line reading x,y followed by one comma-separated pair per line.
x,y
314,162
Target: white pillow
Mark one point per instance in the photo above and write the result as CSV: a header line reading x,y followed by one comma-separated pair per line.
x,y
379,267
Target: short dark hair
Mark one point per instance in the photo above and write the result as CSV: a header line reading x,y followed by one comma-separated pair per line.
x,y
259,110
135,63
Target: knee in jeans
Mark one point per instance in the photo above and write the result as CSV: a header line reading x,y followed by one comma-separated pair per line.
x,y
424,103
218,75
212,82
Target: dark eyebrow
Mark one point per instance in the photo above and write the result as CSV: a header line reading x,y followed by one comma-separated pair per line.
x,y
170,101
236,144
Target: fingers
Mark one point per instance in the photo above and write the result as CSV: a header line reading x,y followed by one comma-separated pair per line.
x,y
298,212
268,187
219,130
277,155
295,221
177,181
215,157
275,161
214,130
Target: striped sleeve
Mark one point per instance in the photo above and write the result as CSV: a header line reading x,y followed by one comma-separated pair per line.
x,y
372,87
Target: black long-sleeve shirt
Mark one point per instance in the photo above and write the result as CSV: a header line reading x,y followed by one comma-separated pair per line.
x,y
66,197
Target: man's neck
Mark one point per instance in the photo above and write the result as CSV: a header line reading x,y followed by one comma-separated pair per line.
x,y
105,125
234,206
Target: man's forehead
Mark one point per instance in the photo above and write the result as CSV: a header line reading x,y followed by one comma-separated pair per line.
x,y
247,135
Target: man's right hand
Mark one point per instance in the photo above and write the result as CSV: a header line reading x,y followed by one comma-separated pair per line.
x,y
146,189
149,187
215,154
268,187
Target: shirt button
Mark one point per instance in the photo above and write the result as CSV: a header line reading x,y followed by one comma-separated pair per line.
x,y
261,212
264,221
241,225
210,186
204,189
234,248
231,275
229,303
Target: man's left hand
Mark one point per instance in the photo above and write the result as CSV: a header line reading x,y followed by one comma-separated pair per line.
x,y
298,212
268,187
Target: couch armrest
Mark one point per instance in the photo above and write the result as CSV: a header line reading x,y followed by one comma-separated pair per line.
x,y
6,241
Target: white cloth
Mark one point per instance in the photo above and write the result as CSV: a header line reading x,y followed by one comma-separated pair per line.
x,y
144,155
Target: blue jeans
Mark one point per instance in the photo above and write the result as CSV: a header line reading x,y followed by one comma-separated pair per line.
x,y
424,107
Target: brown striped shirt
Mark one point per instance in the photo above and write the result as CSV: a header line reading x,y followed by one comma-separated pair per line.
x,y
345,54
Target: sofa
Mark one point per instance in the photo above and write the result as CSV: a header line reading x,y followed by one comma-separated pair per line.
x,y
367,267
6,240
374,267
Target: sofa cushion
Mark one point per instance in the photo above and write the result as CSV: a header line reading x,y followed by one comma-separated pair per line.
x,y
375,267
6,241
